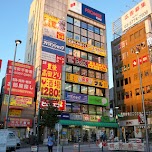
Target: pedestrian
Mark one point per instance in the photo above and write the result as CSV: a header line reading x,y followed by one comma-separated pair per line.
x,y
103,139
32,139
50,143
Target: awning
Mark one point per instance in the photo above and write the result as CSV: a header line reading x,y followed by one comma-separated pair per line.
x,y
87,123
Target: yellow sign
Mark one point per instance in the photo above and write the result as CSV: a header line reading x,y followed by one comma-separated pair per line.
x,y
86,80
97,66
95,118
86,47
18,101
14,112
50,88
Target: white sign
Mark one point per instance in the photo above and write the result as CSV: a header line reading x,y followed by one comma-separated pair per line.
x,y
75,6
48,57
58,127
132,122
136,14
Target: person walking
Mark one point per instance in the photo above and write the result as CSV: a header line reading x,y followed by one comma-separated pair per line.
x,y
32,139
104,139
50,143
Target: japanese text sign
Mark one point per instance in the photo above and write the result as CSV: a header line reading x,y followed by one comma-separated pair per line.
x,y
20,86
97,66
85,47
75,6
15,113
20,69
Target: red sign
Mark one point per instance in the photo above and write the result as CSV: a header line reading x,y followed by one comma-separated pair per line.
x,y
20,86
51,70
60,59
18,122
20,69
61,104
0,64
145,58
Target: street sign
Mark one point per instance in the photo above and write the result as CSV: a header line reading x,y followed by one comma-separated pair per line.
x,y
58,127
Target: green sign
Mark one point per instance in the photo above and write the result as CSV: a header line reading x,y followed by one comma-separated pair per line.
x,y
95,100
107,119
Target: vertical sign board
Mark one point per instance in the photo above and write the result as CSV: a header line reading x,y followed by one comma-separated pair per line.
x,y
0,64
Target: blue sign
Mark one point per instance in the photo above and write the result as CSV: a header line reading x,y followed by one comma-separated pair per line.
x,y
93,14
54,46
65,116
76,97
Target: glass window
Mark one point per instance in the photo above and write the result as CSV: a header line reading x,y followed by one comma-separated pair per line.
x,y
70,19
84,108
98,75
68,87
84,72
83,32
148,89
100,60
96,30
68,68
76,37
84,25
91,74
76,29
76,88
84,89
90,35
89,56
77,22
98,44
99,110
99,92
91,90
137,91
68,50
69,27
76,70
97,37
75,107
83,39
94,58
90,28
90,41
126,81
84,55
101,31
69,34
76,53
92,109
68,107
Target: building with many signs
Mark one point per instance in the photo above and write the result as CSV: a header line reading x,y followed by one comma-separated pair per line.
x,y
67,45
132,32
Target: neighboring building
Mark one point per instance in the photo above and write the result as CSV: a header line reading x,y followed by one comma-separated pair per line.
x,y
131,35
71,37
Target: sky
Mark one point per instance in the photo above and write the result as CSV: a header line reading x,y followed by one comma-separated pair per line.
x,y
14,25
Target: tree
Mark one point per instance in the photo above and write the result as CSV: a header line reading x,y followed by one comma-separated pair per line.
x,y
49,116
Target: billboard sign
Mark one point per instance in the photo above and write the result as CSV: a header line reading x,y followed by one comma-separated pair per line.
x,y
54,46
76,97
136,14
97,66
93,14
20,69
0,64
54,27
20,86
75,6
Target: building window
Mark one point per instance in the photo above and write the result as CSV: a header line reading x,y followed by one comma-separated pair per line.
x,y
99,92
143,89
101,31
121,82
92,109
70,27
68,68
117,82
68,87
76,29
91,90
84,55
122,95
76,53
76,70
76,88
69,34
76,37
84,108
68,107
96,30
98,75
148,89
84,32
126,81
137,91
90,35
118,95
84,89
84,25
90,28
91,74
77,22
90,41
127,95
75,107
97,44
70,19
89,56
130,94
84,72
68,50
83,39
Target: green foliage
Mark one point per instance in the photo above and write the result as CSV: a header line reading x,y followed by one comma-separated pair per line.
x,y
49,117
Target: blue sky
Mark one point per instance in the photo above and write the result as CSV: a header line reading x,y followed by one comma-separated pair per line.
x,y
14,23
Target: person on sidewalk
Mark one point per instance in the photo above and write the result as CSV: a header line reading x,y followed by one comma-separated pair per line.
x,y
104,139
32,139
50,143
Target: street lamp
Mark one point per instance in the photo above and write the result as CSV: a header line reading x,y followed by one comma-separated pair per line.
x,y
137,51
10,89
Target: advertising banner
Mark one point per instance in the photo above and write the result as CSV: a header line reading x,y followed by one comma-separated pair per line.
x,y
85,47
15,113
74,116
75,6
101,101
54,27
86,117
20,69
65,116
95,118
20,122
136,14
97,66
20,86
54,46
0,64
19,101
93,14
61,104
86,80
76,97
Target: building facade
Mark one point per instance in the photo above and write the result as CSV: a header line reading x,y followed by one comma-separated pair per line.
x,y
127,69
67,45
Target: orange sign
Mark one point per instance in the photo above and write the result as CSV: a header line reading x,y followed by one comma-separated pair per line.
x,y
97,66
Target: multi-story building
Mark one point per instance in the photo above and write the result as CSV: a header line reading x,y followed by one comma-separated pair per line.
x,y
132,32
67,45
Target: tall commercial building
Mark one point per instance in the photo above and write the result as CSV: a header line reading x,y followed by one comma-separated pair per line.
x,y
67,45
132,32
